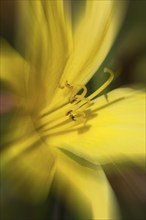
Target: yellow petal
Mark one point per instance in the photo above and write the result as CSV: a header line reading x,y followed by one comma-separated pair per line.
x,y
115,130
86,186
92,40
14,68
48,43
27,163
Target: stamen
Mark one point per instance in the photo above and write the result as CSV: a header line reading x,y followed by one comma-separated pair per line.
x,y
78,116
74,97
73,114
77,98
79,102
68,85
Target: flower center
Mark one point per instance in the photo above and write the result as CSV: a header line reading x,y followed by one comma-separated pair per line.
x,y
80,102
74,113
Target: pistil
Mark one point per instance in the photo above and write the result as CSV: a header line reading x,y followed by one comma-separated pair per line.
x,y
73,113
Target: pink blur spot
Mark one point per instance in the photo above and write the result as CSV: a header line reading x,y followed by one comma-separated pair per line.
x,y
7,103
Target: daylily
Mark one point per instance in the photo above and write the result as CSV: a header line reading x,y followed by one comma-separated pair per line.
x,y
58,129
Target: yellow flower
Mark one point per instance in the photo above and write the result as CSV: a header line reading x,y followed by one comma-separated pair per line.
x,y
56,130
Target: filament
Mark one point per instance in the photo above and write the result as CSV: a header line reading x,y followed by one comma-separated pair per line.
x,y
73,113
100,89
80,102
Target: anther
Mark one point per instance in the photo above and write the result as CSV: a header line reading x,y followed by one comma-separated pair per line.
x,y
80,102
67,85
78,116
71,115
73,99
69,112
76,98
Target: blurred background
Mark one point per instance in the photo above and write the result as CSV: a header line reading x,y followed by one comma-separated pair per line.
x,y
128,58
